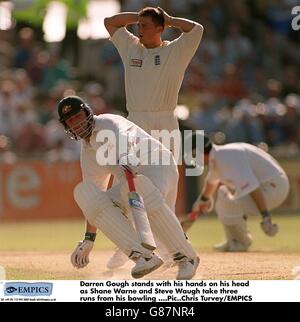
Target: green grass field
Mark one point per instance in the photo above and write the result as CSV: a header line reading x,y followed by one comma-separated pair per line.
x,y
63,235
41,250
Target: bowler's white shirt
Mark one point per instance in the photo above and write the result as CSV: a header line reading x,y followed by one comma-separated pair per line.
x,y
241,167
153,77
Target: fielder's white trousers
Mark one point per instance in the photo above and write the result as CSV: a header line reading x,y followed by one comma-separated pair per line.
x,y
156,120
230,211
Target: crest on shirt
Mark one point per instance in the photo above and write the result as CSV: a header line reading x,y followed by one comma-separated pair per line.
x,y
136,62
157,60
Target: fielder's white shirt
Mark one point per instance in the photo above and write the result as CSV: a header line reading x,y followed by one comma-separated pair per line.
x,y
241,167
154,76
92,171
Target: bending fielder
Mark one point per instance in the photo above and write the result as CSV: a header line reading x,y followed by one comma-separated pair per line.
x,y
109,210
246,181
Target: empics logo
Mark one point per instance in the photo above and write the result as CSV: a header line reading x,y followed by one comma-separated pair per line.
x,y
11,289
296,19
28,289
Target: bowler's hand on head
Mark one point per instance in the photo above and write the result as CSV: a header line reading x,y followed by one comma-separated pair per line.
x,y
167,17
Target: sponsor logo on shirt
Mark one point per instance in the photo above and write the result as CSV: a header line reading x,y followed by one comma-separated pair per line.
x,y
136,62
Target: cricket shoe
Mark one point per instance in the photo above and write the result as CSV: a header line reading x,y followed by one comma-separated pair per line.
x,y
187,268
145,266
117,260
232,246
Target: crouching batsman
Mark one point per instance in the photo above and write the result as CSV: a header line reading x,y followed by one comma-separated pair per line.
x,y
136,211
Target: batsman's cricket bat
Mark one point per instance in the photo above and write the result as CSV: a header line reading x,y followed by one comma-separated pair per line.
x,y
139,214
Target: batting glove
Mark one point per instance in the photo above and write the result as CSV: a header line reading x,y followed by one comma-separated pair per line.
x,y
203,205
80,256
267,226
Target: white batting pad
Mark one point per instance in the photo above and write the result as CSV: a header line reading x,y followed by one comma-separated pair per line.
x,y
101,213
231,215
86,196
141,221
238,232
163,221
228,210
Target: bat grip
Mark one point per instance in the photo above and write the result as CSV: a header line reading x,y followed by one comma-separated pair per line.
x,y
193,215
129,178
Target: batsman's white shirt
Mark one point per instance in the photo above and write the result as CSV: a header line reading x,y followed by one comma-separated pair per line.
x,y
241,167
153,77
164,177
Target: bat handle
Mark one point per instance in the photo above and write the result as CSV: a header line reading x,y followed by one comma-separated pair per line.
x,y
129,178
193,215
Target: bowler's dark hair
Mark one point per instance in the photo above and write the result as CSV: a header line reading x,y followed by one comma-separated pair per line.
x,y
156,15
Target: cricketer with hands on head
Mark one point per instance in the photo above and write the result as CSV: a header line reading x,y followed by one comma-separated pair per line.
x,y
154,71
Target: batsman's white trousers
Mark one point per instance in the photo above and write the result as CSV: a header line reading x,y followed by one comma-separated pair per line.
x,y
158,187
230,211
164,177
104,210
